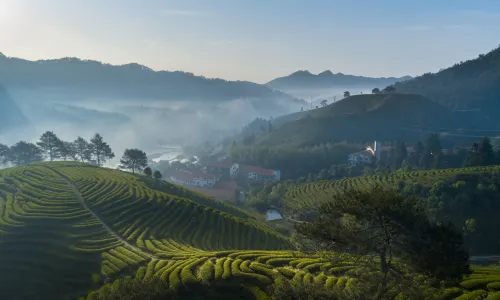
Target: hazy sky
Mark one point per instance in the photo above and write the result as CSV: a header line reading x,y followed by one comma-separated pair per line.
x,y
255,40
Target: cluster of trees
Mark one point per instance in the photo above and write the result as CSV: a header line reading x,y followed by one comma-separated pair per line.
x,y
51,147
425,155
293,162
470,201
149,172
431,155
388,89
392,234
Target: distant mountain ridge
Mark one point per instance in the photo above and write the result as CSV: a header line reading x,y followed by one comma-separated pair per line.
x,y
89,78
304,79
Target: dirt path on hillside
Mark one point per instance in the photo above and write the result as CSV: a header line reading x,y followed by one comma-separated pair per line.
x,y
79,197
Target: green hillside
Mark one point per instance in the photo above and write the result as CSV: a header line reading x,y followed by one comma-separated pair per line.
x,y
387,116
63,225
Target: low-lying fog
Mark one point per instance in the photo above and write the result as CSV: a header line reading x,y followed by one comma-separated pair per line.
x,y
145,124
315,96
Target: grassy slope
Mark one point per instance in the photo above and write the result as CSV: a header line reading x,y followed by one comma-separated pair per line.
x,y
388,116
51,245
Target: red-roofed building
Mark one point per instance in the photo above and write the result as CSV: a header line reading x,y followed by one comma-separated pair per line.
x,y
193,178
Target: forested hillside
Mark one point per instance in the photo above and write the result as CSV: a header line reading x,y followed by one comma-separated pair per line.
x,y
469,85
362,118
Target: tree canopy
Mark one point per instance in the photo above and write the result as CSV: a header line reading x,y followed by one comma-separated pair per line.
x,y
134,159
147,171
23,153
157,174
50,145
100,149
82,149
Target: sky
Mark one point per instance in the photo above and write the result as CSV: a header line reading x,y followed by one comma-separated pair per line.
x,y
255,40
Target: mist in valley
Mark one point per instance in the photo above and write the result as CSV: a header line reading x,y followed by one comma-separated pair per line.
x,y
148,124
314,96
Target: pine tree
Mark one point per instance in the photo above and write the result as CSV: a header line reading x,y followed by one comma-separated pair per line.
x,y
49,144
83,149
100,149
134,159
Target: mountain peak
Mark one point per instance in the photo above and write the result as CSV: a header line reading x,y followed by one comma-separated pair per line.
x,y
301,72
326,73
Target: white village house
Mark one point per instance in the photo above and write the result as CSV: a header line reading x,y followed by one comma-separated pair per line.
x,y
371,155
367,156
193,178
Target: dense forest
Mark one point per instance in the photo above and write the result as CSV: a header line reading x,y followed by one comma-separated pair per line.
x,y
468,85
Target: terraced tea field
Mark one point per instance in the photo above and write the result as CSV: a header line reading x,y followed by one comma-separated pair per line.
x,y
63,226
256,271
309,195
67,227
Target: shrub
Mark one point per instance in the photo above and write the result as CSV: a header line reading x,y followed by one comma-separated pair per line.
x,y
494,296
475,295
494,286
476,283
